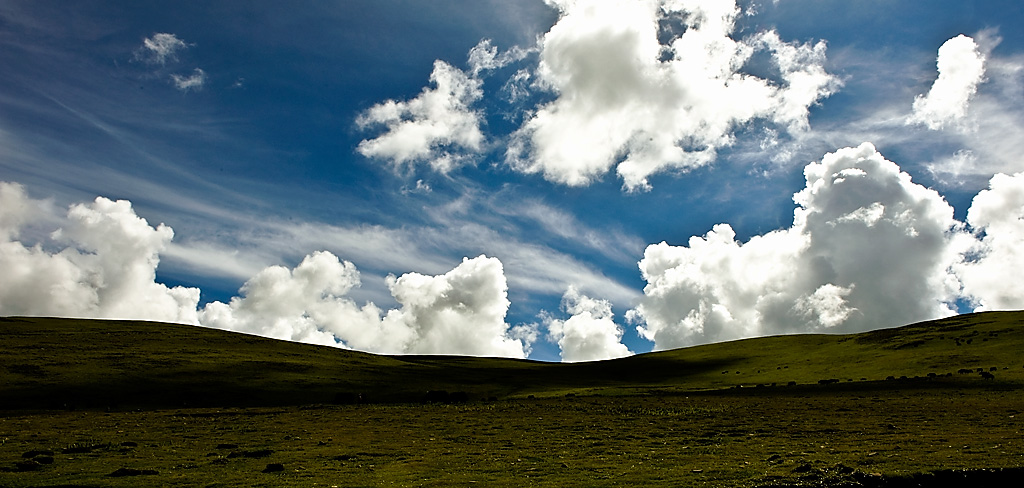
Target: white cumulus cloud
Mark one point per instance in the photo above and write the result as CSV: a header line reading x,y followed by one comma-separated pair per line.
x,y
868,248
103,264
459,312
625,100
961,68
437,127
590,333
301,304
991,274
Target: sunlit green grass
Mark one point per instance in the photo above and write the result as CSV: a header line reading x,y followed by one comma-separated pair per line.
x,y
202,407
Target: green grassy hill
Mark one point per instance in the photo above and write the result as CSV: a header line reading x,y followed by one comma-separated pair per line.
x,y
72,363
181,398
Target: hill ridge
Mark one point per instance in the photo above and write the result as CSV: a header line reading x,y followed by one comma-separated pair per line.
x,y
84,363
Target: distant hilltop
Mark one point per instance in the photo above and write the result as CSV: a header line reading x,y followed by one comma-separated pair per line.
x,y
56,363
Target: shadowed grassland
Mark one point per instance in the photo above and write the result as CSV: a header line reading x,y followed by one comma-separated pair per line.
x,y
111,403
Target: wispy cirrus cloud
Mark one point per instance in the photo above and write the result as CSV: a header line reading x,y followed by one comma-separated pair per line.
x,y
160,48
537,243
192,82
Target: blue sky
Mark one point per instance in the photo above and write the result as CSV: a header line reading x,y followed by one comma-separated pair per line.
x,y
563,141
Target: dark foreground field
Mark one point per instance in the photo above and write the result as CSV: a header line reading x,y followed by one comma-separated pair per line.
x,y
90,403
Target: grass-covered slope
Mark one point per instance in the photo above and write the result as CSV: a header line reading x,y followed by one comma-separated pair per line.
x,y
60,363
672,418
983,340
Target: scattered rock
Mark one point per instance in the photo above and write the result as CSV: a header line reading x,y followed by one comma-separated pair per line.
x,y
348,398
29,465
273,468
934,479
132,472
803,468
83,448
256,454
32,370
844,470
436,396
37,452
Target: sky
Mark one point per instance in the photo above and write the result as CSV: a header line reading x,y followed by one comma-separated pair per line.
x,y
562,180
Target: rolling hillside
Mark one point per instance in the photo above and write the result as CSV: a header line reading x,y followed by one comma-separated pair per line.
x,y
71,363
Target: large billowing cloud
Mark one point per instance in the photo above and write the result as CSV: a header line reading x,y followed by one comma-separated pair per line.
x,y
961,68
459,312
991,274
436,127
868,248
300,305
105,266
626,100
589,334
